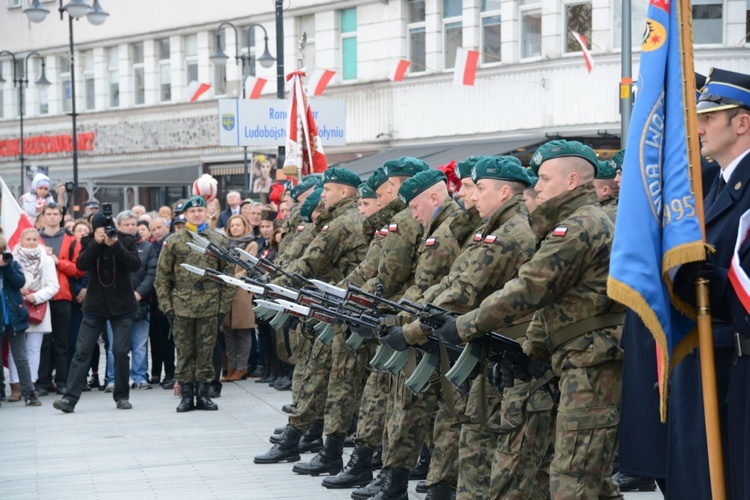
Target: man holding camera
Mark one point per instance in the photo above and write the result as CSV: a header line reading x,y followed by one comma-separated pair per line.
x,y
109,256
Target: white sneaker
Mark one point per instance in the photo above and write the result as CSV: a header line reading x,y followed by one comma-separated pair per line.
x,y
110,388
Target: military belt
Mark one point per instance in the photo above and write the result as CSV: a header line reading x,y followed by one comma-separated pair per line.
x,y
515,332
197,285
742,344
570,332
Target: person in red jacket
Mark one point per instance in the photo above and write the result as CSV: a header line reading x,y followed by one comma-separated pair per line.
x,y
63,248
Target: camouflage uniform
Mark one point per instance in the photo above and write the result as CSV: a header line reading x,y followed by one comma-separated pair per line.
x,y
289,231
609,205
566,282
195,301
409,422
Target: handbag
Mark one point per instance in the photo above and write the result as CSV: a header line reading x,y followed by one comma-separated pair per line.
x,y
36,311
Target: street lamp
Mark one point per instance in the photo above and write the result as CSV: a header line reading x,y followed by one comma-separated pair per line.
x,y
219,58
76,9
22,81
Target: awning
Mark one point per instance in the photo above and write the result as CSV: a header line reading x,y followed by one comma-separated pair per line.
x,y
440,154
145,177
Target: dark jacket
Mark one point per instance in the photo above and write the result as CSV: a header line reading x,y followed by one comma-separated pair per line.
x,y
12,281
110,291
143,279
224,216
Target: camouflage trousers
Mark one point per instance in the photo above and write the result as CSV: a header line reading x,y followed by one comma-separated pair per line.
x,y
446,433
373,410
408,425
314,388
477,440
344,384
525,423
300,367
194,340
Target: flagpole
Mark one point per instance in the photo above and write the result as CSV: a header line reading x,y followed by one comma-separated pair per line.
x,y
705,333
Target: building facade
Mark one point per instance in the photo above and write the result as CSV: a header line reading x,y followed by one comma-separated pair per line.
x,y
140,141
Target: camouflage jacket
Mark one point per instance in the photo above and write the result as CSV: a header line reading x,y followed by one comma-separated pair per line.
x,y
469,222
184,293
399,254
609,205
337,247
299,237
488,260
374,237
438,250
565,280
288,231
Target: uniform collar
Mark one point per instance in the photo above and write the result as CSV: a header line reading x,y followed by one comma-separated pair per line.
x,y
515,205
549,213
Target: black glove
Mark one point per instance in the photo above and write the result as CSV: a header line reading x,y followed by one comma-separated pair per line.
x,y
448,332
695,270
170,319
504,374
394,338
365,332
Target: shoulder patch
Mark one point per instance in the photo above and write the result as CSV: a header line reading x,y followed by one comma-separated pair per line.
x,y
560,231
301,227
430,242
384,231
324,228
393,227
490,238
165,243
478,237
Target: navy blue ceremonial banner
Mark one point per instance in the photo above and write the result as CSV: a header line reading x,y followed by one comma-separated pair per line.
x,y
658,226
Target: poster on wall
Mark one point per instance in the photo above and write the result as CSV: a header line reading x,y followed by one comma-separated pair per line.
x,y
262,176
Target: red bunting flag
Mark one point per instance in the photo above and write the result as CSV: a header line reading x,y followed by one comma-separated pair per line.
x,y
586,54
254,86
466,66
318,81
14,219
399,71
195,90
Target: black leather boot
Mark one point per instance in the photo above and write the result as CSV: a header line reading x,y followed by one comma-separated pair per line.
x,y
286,450
357,473
186,393
382,480
422,487
377,459
398,487
312,439
440,491
423,466
266,378
327,461
202,401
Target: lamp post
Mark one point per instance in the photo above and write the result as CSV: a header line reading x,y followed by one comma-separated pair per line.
x,y
76,9
246,61
21,82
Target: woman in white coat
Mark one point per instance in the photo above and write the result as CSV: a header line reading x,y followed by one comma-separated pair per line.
x,y
41,285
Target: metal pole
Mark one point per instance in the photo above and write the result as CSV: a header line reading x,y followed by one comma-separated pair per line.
x,y
626,82
280,69
73,114
245,177
20,142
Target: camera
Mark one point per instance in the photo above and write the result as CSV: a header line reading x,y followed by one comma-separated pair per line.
x,y
70,186
7,257
109,225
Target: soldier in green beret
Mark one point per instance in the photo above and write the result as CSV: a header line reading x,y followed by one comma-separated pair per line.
x,y
529,194
576,327
618,158
607,187
193,305
296,234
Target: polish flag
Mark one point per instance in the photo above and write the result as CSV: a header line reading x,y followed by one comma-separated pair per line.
x,y
194,91
304,150
400,70
254,86
586,54
319,81
14,219
466,66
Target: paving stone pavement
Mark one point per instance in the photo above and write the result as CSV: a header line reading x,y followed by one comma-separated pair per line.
x,y
152,452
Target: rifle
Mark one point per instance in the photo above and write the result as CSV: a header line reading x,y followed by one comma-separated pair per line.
x,y
430,362
207,247
269,267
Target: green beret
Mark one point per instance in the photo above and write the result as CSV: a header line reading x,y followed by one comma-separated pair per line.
x,y
312,201
195,201
339,175
616,161
561,149
405,166
502,168
605,170
419,183
463,168
364,191
306,183
377,179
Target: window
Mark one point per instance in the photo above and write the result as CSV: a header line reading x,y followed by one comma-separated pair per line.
x,y
708,22
165,70
220,70
490,33
13,4
191,59
89,93
415,41
531,28
113,76
41,94
578,19
64,64
348,23
452,31
638,12
307,25
139,84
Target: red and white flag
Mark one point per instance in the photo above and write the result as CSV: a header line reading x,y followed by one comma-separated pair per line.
x,y
586,54
304,152
318,81
399,71
194,91
254,86
466,66
737,276
14,219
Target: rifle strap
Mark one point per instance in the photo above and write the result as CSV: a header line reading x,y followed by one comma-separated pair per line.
x,y
411,363
579,328
281,346
516,331
445,387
